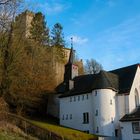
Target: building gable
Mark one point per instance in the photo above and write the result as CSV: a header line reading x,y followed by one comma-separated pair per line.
x,y
126,76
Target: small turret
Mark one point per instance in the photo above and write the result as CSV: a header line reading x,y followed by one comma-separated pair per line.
x,y
71,71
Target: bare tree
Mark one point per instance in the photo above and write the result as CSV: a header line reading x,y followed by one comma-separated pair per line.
x,y
2,2
92,67
8,9
25,68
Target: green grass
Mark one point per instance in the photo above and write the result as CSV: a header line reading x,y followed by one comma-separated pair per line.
x,y
67,133
10,136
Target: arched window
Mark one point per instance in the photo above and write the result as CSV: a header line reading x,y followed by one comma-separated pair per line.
x,y
136,98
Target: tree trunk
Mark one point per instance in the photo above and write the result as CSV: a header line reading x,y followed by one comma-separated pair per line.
x,y
5,83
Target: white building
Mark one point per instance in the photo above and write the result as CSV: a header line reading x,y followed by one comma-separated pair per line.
x,y
131,123
104,104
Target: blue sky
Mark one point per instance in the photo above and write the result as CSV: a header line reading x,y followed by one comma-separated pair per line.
x,y
106,30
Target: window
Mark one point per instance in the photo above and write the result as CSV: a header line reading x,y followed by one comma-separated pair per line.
x,y
86,117
83,97
96,113
74,98
67,117
70,99
116,132
63,117
111,102
112,120
70,116
86,131
97,130
136,127
95,92
78,98
87,96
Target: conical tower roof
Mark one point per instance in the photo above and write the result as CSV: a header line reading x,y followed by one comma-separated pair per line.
x,y
71,56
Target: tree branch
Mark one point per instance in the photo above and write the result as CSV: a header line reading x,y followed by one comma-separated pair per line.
x,y
2,2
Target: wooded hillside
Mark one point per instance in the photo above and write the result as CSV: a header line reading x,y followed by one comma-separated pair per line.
x,y
27,73
32,58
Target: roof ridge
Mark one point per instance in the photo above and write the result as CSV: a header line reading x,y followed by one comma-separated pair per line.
x,y
105,74
134,76
137,64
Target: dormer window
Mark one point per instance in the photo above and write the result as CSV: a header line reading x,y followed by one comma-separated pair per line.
x,y
95,92
87,96
74,98
70,99
82,97
79,98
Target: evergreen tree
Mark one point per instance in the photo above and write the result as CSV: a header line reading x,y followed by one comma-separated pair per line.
x,y
39,31
57,35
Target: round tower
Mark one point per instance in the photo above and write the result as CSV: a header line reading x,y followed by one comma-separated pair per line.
x,y
104,105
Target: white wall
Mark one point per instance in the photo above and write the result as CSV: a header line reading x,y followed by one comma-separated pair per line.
x,y
107,138
135,85
74,71
120,106
106,111
126,103
127,133
76,108
103,102
121,102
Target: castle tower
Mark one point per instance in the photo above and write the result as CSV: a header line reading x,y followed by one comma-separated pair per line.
x,y
104,108
23,23
71,71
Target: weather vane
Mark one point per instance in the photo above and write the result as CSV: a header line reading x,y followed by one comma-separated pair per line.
x,y
71,42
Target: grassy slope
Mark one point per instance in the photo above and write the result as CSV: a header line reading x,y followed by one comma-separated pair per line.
x,y
10,136
67,133
12,132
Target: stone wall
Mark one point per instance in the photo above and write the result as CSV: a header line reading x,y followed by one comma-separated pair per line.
x,y
23,23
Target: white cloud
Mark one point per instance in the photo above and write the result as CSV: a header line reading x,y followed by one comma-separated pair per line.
x,y
118,45
50,8
77,39
53,8
122,34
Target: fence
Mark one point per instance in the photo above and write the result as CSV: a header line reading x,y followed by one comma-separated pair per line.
x,y
30,128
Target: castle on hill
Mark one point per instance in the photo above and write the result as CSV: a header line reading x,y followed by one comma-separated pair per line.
x,y
23,25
